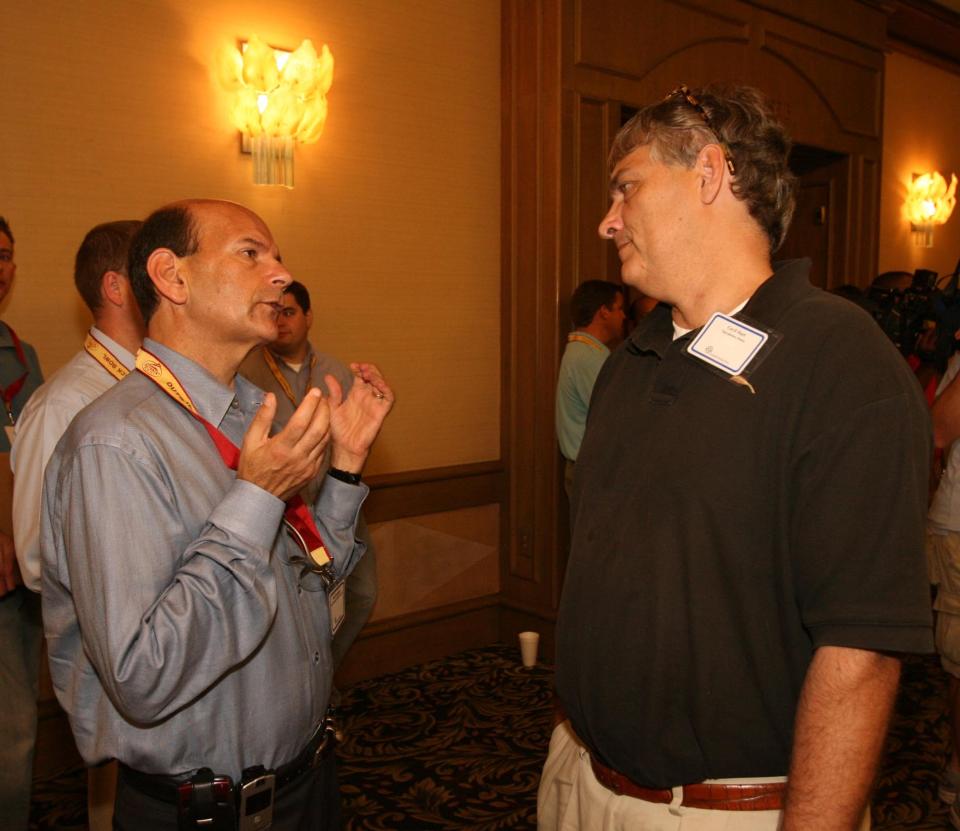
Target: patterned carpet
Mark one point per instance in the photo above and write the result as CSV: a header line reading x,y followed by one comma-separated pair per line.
x,y
459,744
906,794
450,744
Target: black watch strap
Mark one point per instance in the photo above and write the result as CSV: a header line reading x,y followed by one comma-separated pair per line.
x,y
344,476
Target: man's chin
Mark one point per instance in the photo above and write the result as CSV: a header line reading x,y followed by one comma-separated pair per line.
x,y
268,333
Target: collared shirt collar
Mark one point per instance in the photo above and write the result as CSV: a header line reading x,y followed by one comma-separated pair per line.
x,y
789,282
121,354
211,398
282,362
6,341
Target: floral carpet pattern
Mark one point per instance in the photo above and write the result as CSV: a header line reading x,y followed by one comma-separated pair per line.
x,y
459,744
906,792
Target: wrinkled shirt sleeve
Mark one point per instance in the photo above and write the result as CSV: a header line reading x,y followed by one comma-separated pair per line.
x,y
158,643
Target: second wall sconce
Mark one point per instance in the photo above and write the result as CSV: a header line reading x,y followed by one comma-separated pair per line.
x,y
280,98
929,202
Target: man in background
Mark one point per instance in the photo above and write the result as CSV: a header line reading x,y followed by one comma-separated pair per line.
x,y
596,310
20,630
100,275
288,367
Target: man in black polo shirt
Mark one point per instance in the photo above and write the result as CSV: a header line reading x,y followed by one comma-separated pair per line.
x,y
747,557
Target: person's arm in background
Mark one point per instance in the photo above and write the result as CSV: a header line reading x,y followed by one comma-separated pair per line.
x,y
946,414
39,428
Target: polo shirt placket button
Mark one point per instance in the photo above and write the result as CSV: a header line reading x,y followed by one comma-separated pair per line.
x,y
316,657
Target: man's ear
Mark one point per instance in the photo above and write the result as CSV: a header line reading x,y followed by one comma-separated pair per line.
x,y
309,317
112,287
163,267
712,172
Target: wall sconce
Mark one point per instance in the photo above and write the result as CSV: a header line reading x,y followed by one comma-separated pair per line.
x,y
929,202
280,98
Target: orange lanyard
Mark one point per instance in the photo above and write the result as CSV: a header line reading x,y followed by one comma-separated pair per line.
x,y
103,356
576,336
278,374
296,516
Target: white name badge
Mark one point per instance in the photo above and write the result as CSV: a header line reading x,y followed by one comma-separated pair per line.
x,y
727,343
337,599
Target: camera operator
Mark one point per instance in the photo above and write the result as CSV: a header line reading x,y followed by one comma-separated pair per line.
x,y
920,318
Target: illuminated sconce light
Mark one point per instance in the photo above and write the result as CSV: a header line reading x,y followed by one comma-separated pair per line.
x,y
280,98
929,202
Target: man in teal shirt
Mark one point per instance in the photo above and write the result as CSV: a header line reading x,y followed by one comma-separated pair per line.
x,y
596,310
19,607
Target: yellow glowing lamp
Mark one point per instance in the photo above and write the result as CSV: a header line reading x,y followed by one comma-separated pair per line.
x,y
280,97
929,202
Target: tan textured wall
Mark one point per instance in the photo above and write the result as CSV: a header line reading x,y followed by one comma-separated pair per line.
x,y
921,103
429,561
110,110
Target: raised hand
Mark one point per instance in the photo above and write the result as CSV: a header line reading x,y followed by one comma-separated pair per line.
x,y
284,463
356,421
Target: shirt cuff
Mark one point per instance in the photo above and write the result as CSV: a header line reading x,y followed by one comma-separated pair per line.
x,y
339,503
911,638
250,513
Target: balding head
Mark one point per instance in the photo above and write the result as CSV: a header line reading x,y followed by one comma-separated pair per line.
x,y
178,227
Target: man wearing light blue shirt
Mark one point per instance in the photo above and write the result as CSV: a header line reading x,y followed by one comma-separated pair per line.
x,y
596,309
100,275
189,632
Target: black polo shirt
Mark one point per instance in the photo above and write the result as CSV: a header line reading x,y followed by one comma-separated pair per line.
x,y
720,535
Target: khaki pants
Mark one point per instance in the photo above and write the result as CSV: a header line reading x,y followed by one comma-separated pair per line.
x,y
943,563
571,799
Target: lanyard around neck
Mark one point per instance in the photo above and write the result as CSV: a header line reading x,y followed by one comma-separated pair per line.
x,y
578,338
296,515
279,376
10,392
103,356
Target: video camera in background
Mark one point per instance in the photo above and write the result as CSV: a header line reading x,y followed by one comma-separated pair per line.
x,y
918,312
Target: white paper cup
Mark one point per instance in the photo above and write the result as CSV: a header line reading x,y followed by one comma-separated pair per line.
x,y
529,641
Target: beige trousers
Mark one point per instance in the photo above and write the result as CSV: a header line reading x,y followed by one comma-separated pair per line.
x,y
571,799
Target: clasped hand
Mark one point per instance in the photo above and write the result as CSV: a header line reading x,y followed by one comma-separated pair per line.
x,y
284,463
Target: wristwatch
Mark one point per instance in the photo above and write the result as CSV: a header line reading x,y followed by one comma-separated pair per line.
x,y
344,476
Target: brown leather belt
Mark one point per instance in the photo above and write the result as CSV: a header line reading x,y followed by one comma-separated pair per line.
x,y
759,796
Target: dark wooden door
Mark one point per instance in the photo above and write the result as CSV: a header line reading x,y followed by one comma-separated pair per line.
x,y
818,222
